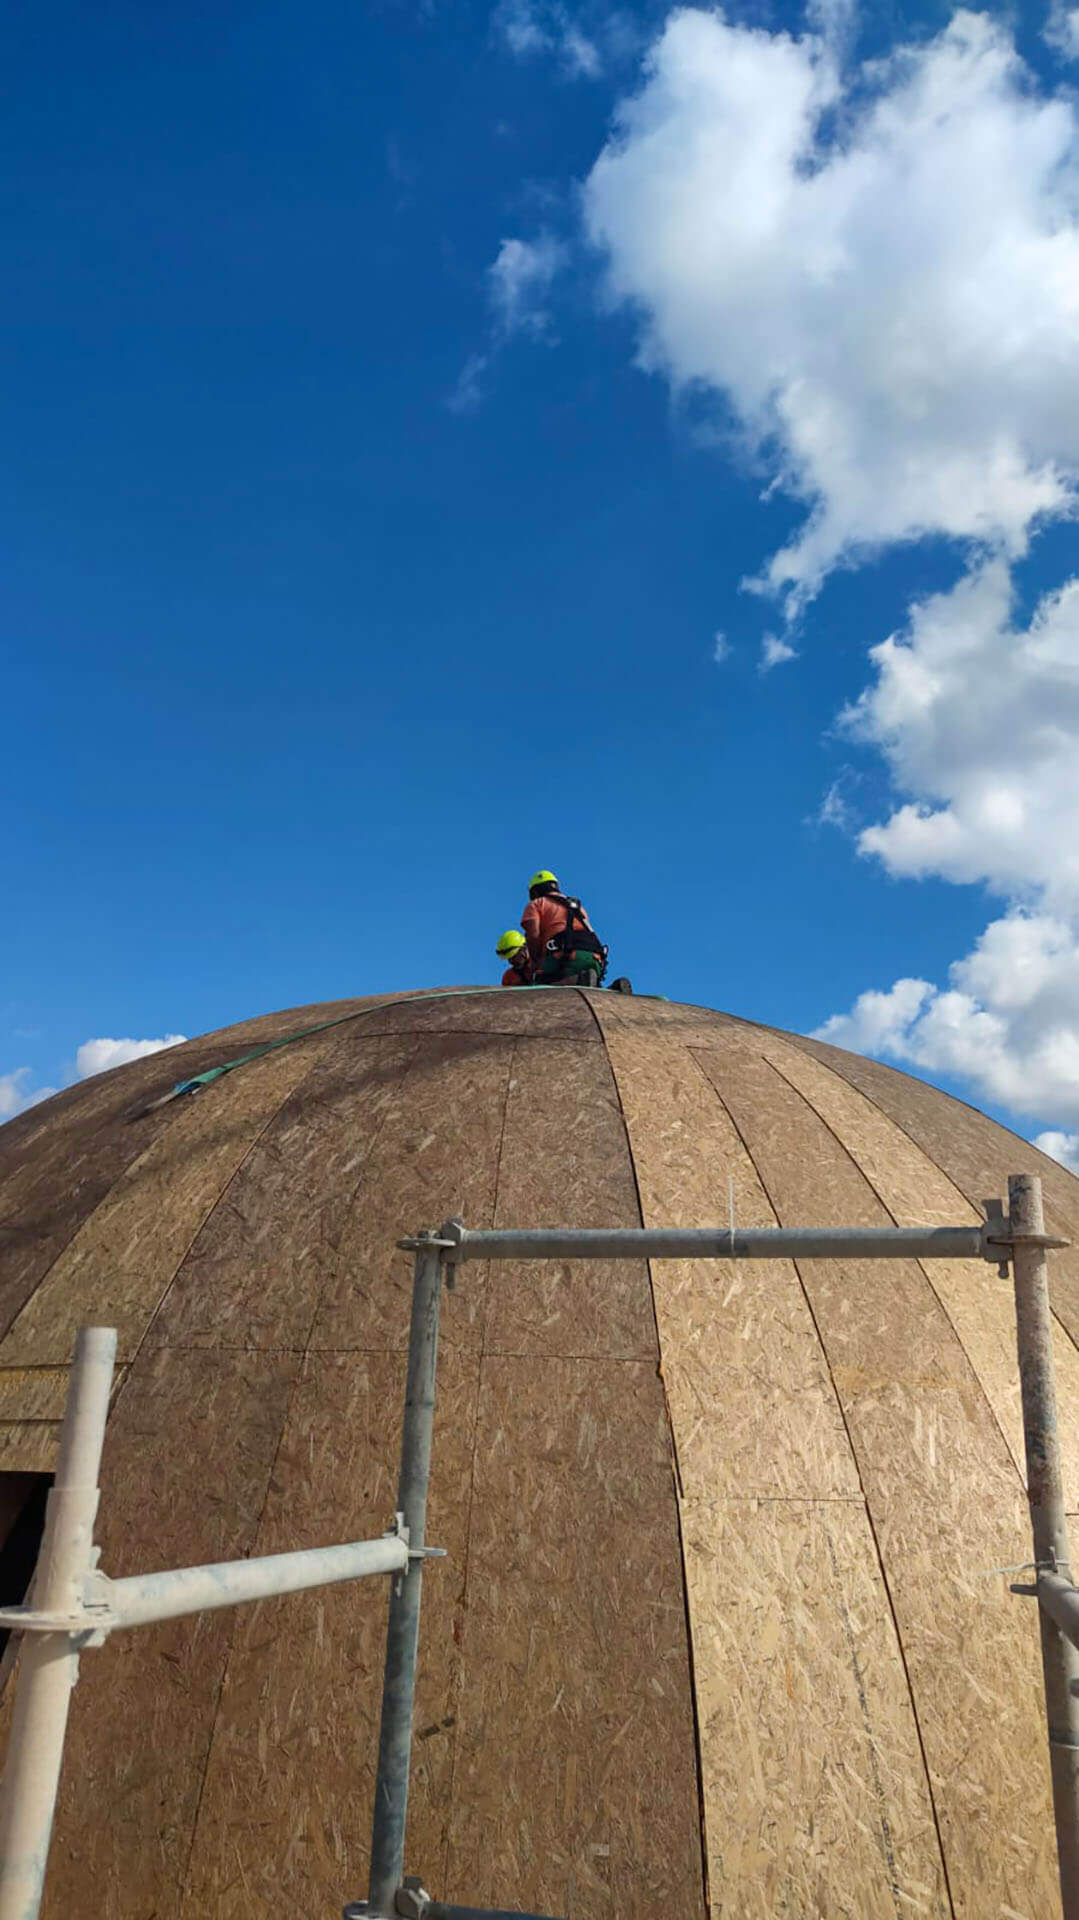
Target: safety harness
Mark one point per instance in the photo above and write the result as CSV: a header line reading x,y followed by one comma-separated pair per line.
x,y
576,936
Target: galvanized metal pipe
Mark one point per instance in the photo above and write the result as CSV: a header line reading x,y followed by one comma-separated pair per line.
x,y
402,1637
1060,1600
443,1910
50,1661
1045,1492
144,1597
720,1243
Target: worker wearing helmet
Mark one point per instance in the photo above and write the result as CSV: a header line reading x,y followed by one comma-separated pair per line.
x,y
513,948
561,942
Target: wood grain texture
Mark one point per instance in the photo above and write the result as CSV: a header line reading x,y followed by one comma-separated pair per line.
x,y
980,1306
556,1012
574,1789
285,1817
436,1155
118,1267
29,1446
256,1271
974,1152
565,1157
752,1408
188,1455
814,1785
936,1473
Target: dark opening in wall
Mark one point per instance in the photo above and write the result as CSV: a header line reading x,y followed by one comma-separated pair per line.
x,y
22,1523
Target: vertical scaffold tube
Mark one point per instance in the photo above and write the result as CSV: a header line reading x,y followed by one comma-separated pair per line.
x,y
399,1681
1045,1492
49,1662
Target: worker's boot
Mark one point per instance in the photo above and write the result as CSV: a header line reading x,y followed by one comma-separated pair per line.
x,y
621,985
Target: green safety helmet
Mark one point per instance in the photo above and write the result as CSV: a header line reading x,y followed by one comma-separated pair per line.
x,y
510,942
542,879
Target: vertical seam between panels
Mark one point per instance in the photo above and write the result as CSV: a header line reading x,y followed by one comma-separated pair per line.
x,y
458,1685
920,1264
799,1040
214,1204
889,1859
676,1476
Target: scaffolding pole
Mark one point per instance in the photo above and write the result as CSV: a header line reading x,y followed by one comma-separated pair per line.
x,y
403,1629
50,1661
1048,1519
460,1243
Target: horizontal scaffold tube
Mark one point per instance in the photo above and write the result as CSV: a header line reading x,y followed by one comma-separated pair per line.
x,y
721,1243
144,1597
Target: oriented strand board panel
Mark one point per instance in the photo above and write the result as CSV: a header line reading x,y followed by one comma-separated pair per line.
x,y
565,1161
553,1011
187,1463
574,1786
256,1272
979,1304
814,1784
285,1818
752,1406
436,1155
976,1153
119,1265
936,1474
29,1446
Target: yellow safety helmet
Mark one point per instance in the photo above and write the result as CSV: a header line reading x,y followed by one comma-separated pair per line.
x,y
510,942
543,879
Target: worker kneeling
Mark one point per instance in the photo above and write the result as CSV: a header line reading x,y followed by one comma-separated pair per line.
x,y
564,948
513,948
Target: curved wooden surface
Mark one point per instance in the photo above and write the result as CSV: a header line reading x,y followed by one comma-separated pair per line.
x,y
719,1632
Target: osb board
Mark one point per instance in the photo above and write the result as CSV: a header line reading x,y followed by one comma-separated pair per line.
x,y
976,1153
554,1010
29,1446
565,1161
936,1474
255,1273
752,1407
815,1792
914,1190
188,1455
436,1155
575,1782
285,1820
117,1268
39,1393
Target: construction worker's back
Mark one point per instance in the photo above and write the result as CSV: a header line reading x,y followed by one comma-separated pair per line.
x,y
561,940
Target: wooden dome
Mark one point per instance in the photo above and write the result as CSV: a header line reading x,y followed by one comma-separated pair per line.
x,y
718,1631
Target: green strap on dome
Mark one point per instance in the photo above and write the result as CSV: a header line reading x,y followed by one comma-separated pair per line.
x,y
198,1080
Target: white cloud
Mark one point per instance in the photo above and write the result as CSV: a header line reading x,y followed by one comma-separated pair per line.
x,y
1007,1023
519,280
774,651
98,1056
1062,33
16,1093
467,391
1060,1146
978,719
721,649
530,27
850,259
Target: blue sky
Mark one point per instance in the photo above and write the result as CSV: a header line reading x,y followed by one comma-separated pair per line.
x,y
396,402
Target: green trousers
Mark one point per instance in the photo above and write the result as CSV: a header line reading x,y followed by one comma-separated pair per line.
x,y
553,971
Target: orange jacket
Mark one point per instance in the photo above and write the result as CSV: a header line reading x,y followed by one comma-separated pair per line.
x,y
541,920
511,977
